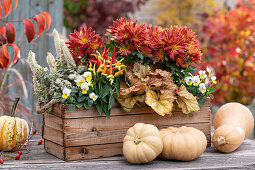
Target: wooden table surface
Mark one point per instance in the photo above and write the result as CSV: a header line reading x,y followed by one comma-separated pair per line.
x,y
37,158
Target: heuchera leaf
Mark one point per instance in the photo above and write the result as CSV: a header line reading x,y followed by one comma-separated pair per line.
x,y
48,19
16,4
161,105
7,4
29,29
186,101
39,18
10,32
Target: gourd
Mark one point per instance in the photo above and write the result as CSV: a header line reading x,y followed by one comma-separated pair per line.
x,y
13,131
142,143
184,143
233,123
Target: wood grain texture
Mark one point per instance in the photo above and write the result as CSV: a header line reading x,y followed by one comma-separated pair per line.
x,y
37,158
72,132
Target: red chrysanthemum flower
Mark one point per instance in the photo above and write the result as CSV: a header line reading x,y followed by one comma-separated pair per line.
x,y
128,32
177,43
84,42
124,49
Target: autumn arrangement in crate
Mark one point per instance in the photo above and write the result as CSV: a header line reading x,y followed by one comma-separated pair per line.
x,y
143,74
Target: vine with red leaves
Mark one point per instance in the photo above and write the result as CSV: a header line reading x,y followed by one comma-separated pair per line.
x,y
7,32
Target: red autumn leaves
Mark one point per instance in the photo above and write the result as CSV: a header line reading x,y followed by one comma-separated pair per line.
x,y
8,34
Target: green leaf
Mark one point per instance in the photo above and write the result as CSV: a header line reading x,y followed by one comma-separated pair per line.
x,y
211,90
71,107
81,98
88,104
74,90
79,105
99,108
201,101
211,96
57,96
105,91
118,86
140,56
111,102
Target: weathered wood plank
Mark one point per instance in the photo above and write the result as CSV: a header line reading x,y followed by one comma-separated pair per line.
x,y
54,149
53,135
114,136
62,111
37,158
119,122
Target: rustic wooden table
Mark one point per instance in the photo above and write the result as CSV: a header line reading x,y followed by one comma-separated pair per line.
x,y
37,158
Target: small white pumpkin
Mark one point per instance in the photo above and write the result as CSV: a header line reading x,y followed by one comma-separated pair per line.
x,y
142,143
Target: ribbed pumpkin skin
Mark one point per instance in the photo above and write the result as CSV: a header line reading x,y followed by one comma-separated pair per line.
x,y
183,144
13,132
148,149
233,122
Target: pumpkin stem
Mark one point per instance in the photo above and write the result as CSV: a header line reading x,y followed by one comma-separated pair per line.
x,y
221,140
14,106
137,140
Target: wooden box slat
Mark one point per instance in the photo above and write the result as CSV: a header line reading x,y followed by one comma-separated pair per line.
x,y
83,134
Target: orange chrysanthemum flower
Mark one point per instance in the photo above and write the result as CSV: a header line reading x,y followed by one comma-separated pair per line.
x,y
83,43
177,43
128,32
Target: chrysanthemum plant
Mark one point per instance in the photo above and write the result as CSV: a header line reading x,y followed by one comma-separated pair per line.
x,y
175,49
158,69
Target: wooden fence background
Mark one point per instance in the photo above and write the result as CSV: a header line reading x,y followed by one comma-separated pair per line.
x,y
44,44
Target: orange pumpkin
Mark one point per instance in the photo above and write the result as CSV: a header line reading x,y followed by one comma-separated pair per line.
x,y
13,132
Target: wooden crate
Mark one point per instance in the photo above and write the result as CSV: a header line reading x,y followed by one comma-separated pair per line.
x,y
84,134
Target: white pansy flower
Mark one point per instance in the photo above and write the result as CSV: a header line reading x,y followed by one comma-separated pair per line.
x,y
87,75
214,79
66,93
93,96
209,71
79,80
206,80
72,76
196,80
89,83
188,80
202,88
85,88
238,50
57,81
202,74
